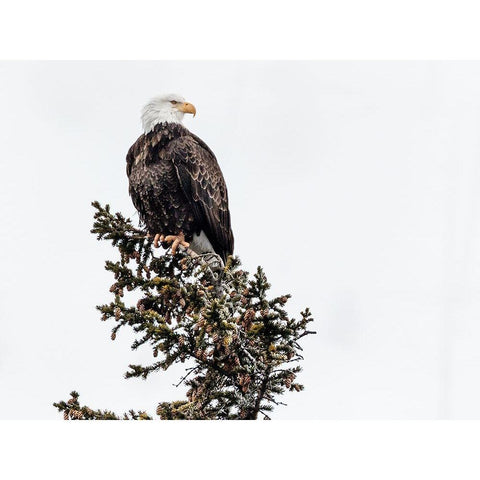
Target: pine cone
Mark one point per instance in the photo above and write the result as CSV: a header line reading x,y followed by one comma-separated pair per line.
x,y
249,314
76,414
245,382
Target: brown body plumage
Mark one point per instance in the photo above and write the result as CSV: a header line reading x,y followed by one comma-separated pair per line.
x,y
177,186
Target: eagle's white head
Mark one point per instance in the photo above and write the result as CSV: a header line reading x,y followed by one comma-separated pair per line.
x,y
165,108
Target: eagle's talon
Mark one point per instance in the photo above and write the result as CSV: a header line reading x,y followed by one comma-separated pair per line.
x,y
176,240
157,237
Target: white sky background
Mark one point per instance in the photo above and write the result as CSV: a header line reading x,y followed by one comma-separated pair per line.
x,y
354,184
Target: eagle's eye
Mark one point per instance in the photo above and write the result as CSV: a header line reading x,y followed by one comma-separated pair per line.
x,y
173,102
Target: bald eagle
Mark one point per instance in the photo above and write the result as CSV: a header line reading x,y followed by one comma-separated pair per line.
x,y
176,183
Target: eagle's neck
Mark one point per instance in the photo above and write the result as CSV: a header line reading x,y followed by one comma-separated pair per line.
x,y
152,116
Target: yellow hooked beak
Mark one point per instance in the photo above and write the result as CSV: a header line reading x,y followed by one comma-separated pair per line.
x,y
187,108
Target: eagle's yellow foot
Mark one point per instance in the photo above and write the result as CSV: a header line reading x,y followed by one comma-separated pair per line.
x,y
156,238
175,240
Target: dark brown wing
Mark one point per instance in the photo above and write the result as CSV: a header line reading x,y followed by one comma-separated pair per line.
x,y
131,158
203,184
137,150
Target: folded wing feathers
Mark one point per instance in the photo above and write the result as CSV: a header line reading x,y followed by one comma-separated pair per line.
x,y
202,180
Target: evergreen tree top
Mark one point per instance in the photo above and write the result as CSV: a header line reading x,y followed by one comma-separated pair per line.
x,y
243,346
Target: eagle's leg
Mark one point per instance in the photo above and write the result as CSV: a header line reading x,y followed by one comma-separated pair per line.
x,y
175,240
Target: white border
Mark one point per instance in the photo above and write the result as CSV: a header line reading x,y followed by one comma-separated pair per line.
x,y
182,450
251,29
